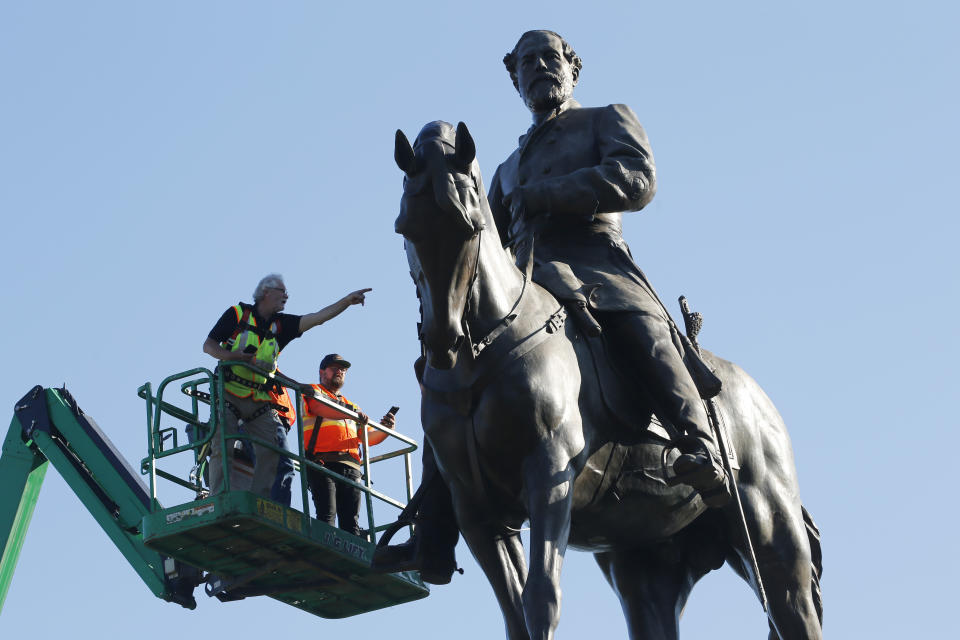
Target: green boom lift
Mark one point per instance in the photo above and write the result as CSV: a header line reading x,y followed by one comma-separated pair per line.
x,y
236,543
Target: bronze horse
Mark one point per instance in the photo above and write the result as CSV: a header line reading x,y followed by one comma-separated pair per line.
x,y
514,409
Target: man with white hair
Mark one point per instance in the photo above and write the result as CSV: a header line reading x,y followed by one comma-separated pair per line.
x,y
255,334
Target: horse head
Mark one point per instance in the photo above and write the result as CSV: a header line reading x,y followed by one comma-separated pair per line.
x,y
441,215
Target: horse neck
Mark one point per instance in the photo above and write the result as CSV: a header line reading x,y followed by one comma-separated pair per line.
x,y
499,283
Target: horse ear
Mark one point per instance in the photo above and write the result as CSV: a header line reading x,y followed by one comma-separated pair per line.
x,y
403,154
466,148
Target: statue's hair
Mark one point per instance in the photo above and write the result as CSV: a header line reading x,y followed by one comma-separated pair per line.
x,y
510,60
269,280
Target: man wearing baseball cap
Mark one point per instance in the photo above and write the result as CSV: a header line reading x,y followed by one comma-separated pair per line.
x,y
255,334
331,438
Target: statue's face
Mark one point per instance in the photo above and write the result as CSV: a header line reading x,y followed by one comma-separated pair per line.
x,y
544,77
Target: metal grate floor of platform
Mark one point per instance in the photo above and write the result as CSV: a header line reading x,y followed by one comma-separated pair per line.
x,y
257,547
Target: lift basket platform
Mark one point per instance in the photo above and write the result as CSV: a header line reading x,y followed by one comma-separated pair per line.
x,y
257,547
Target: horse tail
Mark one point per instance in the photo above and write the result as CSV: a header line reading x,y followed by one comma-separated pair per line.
x,y
816,561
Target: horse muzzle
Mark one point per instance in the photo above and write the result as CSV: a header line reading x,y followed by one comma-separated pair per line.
x,y
442,354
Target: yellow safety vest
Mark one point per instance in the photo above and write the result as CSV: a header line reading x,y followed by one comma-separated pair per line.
x,y
267,350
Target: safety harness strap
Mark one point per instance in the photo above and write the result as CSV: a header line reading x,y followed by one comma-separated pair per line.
x,y
243,324
270,385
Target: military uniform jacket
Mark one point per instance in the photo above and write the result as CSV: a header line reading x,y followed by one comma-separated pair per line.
x,y
576,173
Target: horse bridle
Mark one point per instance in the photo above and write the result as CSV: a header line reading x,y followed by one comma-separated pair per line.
x,y
476,347
505,322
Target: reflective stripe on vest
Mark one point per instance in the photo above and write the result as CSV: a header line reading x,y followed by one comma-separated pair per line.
x,y
267,350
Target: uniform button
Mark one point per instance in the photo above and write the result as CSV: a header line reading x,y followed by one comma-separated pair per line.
x,y
547,169
551,140
523,181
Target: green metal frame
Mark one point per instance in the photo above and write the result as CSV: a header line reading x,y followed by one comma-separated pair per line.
x,y
255,546
21,475
156,408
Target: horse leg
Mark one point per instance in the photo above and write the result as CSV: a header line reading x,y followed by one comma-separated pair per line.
x,y
548,480
653,588
501,559
787,546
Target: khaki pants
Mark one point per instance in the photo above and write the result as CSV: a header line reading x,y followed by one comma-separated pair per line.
x,y
263,427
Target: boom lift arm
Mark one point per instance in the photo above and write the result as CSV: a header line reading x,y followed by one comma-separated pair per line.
x,y
49,428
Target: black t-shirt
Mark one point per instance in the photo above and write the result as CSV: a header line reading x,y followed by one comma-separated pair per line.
x,y
287,330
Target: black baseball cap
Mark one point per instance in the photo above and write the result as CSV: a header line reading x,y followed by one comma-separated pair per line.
x,y
333,358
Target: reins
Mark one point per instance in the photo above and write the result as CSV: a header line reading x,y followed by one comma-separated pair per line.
x,y
505,322
464,325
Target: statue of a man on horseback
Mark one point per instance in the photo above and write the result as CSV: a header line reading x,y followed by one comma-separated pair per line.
x,y
533,420
560,197
558,200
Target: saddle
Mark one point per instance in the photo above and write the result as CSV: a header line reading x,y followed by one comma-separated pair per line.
x,y
578,298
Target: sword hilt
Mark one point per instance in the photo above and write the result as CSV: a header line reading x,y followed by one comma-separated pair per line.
x,y
692,320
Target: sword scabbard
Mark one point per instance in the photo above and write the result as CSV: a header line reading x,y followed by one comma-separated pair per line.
x,y
693,322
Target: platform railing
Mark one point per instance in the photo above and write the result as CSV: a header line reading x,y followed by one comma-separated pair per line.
x,y
205,432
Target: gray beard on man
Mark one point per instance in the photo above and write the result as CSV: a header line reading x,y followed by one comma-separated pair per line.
x,y
546,94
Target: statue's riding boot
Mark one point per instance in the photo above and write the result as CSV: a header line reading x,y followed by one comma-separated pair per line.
x,y
431,548
655,353
700,466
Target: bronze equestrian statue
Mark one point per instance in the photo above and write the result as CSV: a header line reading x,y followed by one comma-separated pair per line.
x,y
594,430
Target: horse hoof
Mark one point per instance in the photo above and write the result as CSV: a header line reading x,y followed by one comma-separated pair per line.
x,y
396,558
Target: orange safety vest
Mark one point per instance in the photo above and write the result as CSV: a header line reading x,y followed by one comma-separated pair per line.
x,y
337,433
284,400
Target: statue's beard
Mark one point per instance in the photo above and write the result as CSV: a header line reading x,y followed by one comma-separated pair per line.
x,y
548,93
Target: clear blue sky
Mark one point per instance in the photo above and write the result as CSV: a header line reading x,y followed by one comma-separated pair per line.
x,y
157,160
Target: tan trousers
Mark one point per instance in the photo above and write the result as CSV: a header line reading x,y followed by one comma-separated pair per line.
x,y
263,427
